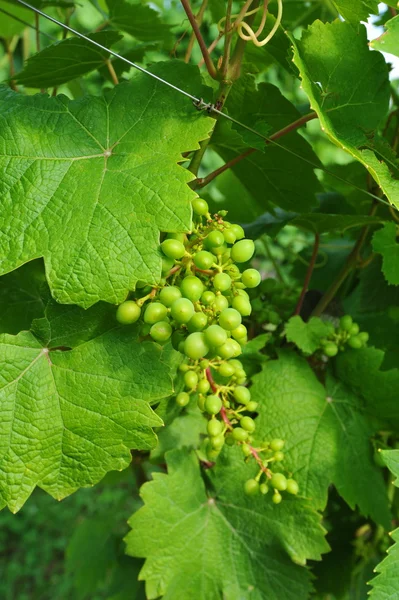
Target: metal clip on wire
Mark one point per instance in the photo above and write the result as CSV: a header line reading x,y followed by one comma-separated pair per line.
x,y
201,105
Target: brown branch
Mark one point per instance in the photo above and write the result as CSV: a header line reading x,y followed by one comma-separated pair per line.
x,y
191,41
208,61
112,72
211,380
308,275
203,181
212,47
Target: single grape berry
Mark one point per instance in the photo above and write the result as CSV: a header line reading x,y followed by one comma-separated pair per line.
x,y
355,342
354,330
173,248
217,442
213,404
204,260
215,336
214,427
278,482
128,312
246,450
229,235
239,333
169,294
251,406
248,424
242,251
226,369
292,487
238,231
222,282
330,349
155,312
161,331
242,394
167,265
279,456
182,310
277,498
229,349
251,487
203,386
208,298
200,207
239,434
220,303
346,322
182,399
214,239
277,445
195,346
229,319
364,336
251,278
191,379
192,287
198,322
242,305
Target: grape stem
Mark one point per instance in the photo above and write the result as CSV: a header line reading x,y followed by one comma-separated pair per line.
x,y
225,418
308,275
211,380
204,50
258,459
198,18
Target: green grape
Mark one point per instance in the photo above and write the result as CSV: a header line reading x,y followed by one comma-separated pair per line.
x,y
182,399
346,322
364,336
226,369
251,487
204,363
239,434
167,265
230,441
214,427
173,249
242,394
191,380
203,386
238,231
292,487
212,454
222,282
246,450
330,349
208,298
184,368
182,310
200,207
168,295
355,342
229,235
277,498
277,445
217,442
195,346
354,330
279,456
278,482
213,404
242,251
191,287
220,303
226,256
178,337
204,260
219,250
128,312
214,239
201,403
161,331
229,349
251,406
155,312
248,424
251,278
198,322
215,336
239,373
177,236
229,319
240,332
242,305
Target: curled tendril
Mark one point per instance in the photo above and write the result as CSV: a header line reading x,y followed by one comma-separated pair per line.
x,y
250,35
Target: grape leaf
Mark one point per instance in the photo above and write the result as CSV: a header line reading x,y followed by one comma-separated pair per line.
x,y
184,431
330,58
388,41
88,184
306,336
9,26
326,432
229,546
391,459
356,10
384,242
66,60
139,20
324,223
69,417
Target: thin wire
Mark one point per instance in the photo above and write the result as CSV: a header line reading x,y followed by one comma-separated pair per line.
x,y
50,37
199,102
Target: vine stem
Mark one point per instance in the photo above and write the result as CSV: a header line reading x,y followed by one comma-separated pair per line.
x,y
204,50
10,56
112,72
308,275
211,380
203,181
37,32
191,41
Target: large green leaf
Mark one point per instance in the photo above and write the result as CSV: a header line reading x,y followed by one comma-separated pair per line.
x,y
307,336
348,86
384,242
89,184
67,418
66,60
356,10
389,41
202,546
9,26
138,19
327,434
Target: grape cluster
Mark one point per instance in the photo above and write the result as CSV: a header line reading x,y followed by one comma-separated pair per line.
x,y
346,334
199,305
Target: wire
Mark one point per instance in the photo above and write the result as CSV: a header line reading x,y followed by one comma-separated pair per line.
x,y
199,102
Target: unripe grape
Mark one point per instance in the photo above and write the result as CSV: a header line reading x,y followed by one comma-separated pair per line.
x,y
364,337
169,294
292,487
204,363
277,498
355,342
240,434
242,305
238,231
128,312
277,445
242,394
195,346
219,250
239,333
173,248
200,207
330,349
222,282
242,251
279,456
155,312
214,239
201,403
346,322
246,450
251,487
182,310
161,331
214,427
198,322
182,399
229,319
226,370
177,236
230,441
220,303
248,424
229,235
167,265
191,379
213,404
178,337
264,488
278,482
251,278
217,442
215,336
239,373
354,330
207,298
251,406
229,349
184,368
192,287
204,260
203,386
